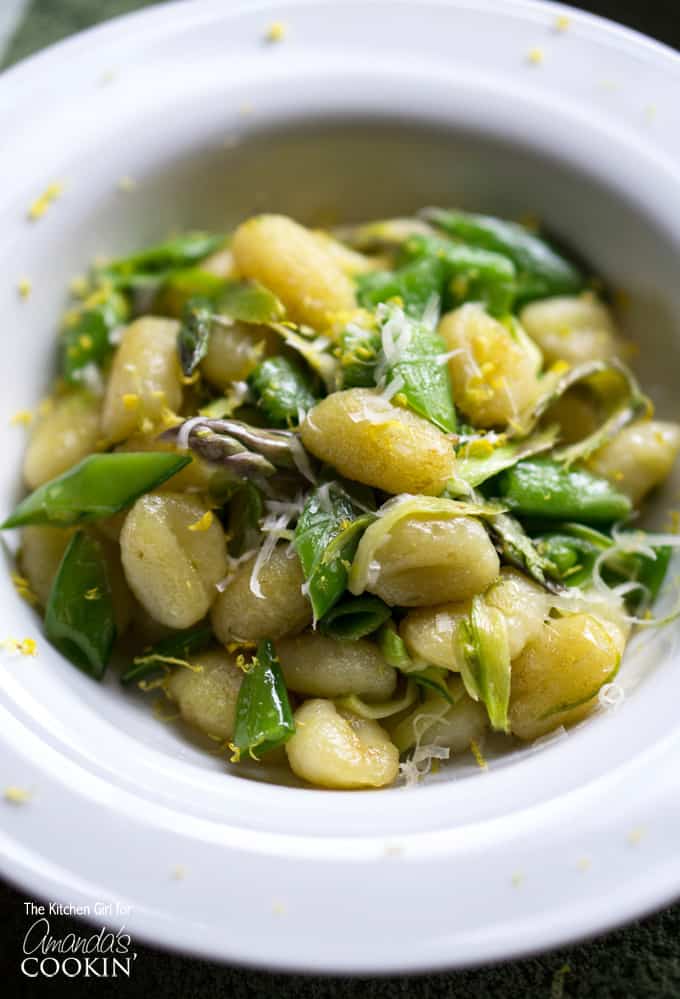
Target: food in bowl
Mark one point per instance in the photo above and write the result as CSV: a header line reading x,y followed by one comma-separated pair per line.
x,y
358,498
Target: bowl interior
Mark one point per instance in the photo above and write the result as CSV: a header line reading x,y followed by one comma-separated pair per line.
x,y
321,169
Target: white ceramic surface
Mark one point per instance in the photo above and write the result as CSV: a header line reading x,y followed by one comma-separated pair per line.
x,y
365,108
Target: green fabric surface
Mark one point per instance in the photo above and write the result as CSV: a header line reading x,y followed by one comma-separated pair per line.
x,y
640,961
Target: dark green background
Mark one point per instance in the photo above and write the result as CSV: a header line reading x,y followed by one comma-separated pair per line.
x,y
640,961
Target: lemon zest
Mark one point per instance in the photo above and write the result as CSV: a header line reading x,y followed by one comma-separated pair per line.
x,y
38,207
16,795
204,523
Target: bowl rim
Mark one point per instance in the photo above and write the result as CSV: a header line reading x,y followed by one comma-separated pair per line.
x,y
169,18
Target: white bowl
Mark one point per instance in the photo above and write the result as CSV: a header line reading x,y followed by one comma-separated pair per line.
x,y
364,109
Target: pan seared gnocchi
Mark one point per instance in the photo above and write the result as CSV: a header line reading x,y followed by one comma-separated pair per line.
x,y
355,499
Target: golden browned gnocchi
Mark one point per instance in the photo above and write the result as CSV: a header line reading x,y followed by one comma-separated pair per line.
x,y
174,554
67,432
335,749
572,328
352,500
291,261
207,691
241,614
367,438
144,379
493,373
318,666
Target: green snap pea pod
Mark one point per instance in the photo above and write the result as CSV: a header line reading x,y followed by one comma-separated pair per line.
x,y
156,262
264,720
480,460
355,618
283,391
328,512
79,619
245,510
395,653
517,548
86,337
181,286
413,358
359,350
98,486
539,487
194,333
542,270
472,274
486,673
572,555
156,660
415,284
248,302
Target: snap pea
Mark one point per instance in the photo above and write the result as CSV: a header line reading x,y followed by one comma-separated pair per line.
x,y
194,333
542,488
415,284
327,512
479,459
264,720
283,391
359,350
486,670
86,336
155,262
355,618
181,286
471,274
572,554
154,662
98,486
395,653
79,618
246,507
542,271
248,302
415,361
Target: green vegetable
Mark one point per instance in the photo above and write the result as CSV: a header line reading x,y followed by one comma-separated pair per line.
x,y
383,709
86,339
98,486
542,271
415,284
248,302
326,514
177,646
79,618
245,510
393,648
517,548
194,333
355,618
486,673
434,680
475,462
264,720
359,350
283,390
415,360
182,285
155,262
542,488
471,274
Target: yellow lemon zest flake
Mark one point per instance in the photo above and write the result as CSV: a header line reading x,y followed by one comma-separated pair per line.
x,y
22,417
477,753
93,594
130,400
535,56
203,523
24,287
127,185
38,208
276,32
562,23
23,588
22,646
16,795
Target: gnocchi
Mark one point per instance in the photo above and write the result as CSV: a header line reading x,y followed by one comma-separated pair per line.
x,y
318,666
68,432
207,693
